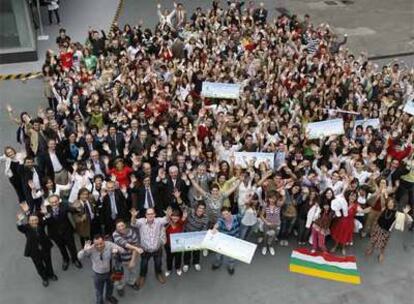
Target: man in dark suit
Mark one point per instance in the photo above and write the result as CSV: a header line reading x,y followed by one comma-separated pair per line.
x,y
31,178
38,247
114,206
260,14
89,144
140,143
115,143
97,165
53,164
175,183
60,230
148,195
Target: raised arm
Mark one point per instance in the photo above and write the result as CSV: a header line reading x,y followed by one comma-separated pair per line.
x,y
196,185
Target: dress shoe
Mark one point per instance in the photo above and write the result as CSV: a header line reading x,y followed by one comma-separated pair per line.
x,y
141,282
53,277
65,265
215,267
134,286
120,292
112,300
45,283
77,264
230,271
161,278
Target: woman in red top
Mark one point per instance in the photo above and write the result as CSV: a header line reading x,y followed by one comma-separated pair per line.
x,y
121,173
176,225
343,228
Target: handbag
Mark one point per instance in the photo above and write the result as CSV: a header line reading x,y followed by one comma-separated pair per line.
x,y
117,269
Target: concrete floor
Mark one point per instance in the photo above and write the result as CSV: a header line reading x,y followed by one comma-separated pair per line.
x,y
267,279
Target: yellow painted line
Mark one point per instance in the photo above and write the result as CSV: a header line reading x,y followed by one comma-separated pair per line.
x,y
325,274
21,76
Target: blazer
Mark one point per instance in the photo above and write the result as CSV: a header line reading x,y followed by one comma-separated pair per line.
x,y
181,186
46,166
116,145
34,240
121,206
157,191
27,175
59,227
82,221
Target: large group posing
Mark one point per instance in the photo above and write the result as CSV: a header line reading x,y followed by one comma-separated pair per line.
x,y
128,152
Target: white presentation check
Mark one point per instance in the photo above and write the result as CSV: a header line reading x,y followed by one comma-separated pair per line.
x,y
230,246
187,241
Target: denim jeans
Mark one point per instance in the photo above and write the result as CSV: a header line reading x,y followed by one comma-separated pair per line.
x,y
102,281
227,261
245,231
146,256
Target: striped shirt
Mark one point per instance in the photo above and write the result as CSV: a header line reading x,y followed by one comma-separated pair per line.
x,y
272,215
130,237
195,223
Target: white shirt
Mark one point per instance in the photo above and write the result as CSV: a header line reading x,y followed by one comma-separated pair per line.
x,y
36,180
340,204
57,166
362,176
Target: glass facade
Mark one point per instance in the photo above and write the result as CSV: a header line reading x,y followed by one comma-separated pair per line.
x,y
17,35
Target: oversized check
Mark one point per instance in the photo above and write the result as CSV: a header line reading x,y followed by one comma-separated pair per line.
x,y
230,246
374,122
325,128
187,241
220,90
409,106
244,158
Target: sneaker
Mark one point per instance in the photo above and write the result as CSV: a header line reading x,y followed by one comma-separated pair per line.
x,y
259,239
167,273
179,272
264,250
185,268
282,243
197,267
205,252
313,251
272,251
230,271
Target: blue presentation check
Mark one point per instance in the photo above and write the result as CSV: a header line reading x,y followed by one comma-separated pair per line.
x,y
230,246
187,241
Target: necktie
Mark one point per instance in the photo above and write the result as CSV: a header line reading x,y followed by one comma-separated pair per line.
x,y
88,210
149,198
114,212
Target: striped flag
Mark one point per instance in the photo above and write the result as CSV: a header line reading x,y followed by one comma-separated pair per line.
x,y
325,266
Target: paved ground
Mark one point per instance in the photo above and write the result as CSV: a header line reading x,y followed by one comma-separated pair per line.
x,y
384,29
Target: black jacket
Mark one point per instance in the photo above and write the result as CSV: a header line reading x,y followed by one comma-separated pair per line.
x,y
121,206
36,243
59,227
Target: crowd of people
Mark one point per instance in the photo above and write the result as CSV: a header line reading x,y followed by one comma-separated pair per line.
x,y
128,150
